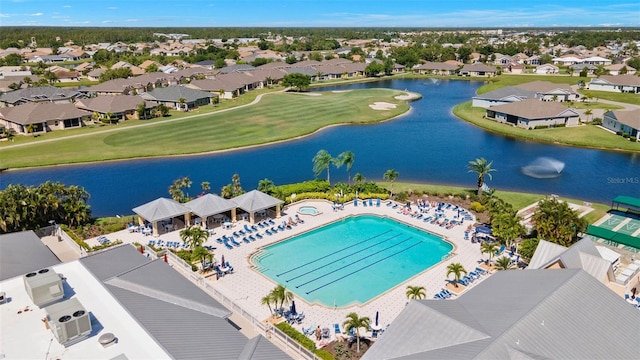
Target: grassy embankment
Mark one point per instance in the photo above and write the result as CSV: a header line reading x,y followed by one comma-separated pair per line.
x,y
519,200
277,117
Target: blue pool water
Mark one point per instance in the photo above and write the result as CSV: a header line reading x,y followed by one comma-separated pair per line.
x,y
351,261
308,210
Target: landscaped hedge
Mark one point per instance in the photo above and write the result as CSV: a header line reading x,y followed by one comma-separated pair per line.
x,y
330,196
75,237
297,336
303,187
324,354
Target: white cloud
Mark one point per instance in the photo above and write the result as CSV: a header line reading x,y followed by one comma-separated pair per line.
x,y
66,6
112,8
5,16
36,14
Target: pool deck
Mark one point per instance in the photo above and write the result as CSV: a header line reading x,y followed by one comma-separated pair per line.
x,y
247,286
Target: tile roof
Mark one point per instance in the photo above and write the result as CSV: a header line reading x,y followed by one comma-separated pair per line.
x,y
44,93
33,113
175,92
113,104
534,109
629,118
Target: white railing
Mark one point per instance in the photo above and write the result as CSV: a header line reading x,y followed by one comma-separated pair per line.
x,y
269,331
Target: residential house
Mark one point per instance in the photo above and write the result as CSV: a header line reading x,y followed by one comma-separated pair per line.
x,y
533,60
123,64
567,60
596,60
111,87
501,96
477,69
122,107
529,314
616,83
512,68
532,113
180,97
620,69
42,117
577,69
39,94
623,121
94,75
501,59
548,91
547,69
436,68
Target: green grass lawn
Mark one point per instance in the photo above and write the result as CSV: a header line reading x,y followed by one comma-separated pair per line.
x,y
583,136
278,116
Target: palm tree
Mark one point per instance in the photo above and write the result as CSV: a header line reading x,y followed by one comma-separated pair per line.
x,y
354,321
194,236
201,254
456,269
142,110
390,175
321,162
181,102
588,112
489,248
265,185
416,292
31,128
281,295
483,168
504,263
358,178
221,93
268,300
347,158
206,186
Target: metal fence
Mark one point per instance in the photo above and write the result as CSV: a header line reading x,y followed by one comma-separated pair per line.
x,y
269,331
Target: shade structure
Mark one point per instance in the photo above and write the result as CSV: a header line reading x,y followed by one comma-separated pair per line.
x,y
255,200
210,204
484,230
161,209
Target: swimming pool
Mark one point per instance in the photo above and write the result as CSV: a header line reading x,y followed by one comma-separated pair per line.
x,y
308,210
352,260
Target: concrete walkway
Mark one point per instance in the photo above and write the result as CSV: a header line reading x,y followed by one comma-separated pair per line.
x,y
61,249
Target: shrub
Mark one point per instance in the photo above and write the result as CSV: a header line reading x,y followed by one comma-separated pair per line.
x,y
324,354
632,139
625,135
559,125
303,187
297,336
75,237
104,246
541,127
596,121
619,133
402,196
477,207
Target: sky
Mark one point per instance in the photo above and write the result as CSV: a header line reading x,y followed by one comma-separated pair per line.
x,y
320,13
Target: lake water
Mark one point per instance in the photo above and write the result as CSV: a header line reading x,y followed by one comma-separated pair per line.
x,y
427,145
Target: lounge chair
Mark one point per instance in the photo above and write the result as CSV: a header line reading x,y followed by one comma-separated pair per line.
x,y
252,238
271,222
336,329
355,202
258,236
246,227
227,244
370,202
378,202
246,240
234,242
364,203
268,232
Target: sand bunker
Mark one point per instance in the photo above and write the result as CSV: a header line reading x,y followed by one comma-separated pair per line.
x,y
340,91
382,106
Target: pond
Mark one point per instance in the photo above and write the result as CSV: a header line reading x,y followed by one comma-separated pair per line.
x,y
429,145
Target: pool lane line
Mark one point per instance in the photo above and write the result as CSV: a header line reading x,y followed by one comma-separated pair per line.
x,y
335,252
342,277
344,257
355,262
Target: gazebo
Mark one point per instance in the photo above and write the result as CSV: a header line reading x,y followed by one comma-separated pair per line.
x,y
255,201
161,209
211,204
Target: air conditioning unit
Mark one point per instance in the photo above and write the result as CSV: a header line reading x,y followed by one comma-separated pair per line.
x,y
43,286
69,321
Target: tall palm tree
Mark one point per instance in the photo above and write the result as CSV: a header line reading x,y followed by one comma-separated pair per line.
x,y
268,300
181,102
489,248
203,255
588,112
504,263
416,292
456,269
321,162
31,128
142,110
194,236
483,168
353,321
358,178
347,158
265,185
281,295
206,186
390,175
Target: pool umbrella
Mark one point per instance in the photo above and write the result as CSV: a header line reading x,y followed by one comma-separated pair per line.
x,y
293,307
377,315
222,261
165,258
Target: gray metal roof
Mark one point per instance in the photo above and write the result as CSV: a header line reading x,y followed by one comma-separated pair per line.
x,y
546,252
184,320
112,261
23,252
255,200
175,92
507,91
43,93
210,204
535,314
161,209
